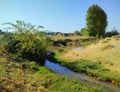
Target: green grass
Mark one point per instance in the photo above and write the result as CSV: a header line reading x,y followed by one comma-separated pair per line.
x,y
28,76
79,66
57,83
86,66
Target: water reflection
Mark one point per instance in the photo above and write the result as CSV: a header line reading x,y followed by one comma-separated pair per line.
x,y
81,77
79,48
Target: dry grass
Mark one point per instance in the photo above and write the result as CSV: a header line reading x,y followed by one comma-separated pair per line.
x,y
14,79
68,37
108,52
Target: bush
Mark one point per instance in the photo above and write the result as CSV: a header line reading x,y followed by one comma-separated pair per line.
x,y
11,46
84,32
111,33
28,43
76,32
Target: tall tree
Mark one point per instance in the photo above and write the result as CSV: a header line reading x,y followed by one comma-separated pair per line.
x,y
96,21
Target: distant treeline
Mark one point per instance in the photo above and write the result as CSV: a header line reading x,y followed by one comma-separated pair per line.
x,y
1,32
82,32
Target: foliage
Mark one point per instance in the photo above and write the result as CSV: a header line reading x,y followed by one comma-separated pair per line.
x,y
84,32
11,46
5,38
111,33
76,32
1,32
96,21
27,42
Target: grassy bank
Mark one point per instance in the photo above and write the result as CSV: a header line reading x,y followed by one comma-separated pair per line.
x,y
72,40
33,78
100,60
28,76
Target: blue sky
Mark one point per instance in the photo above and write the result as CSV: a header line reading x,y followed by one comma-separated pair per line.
x,y
57,15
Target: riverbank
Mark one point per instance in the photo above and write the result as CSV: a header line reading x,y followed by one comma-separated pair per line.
x,y
28,76
99,60
80,76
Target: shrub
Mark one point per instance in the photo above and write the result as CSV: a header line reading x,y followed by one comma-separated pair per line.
x,y
76,32
28,43
111,33
84,32
11,46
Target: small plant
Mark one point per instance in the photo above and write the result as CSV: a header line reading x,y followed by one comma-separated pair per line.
x,y
84,32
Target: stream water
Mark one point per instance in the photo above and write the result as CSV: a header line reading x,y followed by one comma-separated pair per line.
x,y
79,48
80,77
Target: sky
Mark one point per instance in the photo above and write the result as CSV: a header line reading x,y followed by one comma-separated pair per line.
x,y
57,15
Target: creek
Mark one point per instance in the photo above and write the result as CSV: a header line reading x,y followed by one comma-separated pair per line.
x,y
56,67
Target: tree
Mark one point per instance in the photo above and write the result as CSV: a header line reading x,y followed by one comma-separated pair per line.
x,y
76,32
28,42
96,21
84,32
1,32
111,33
